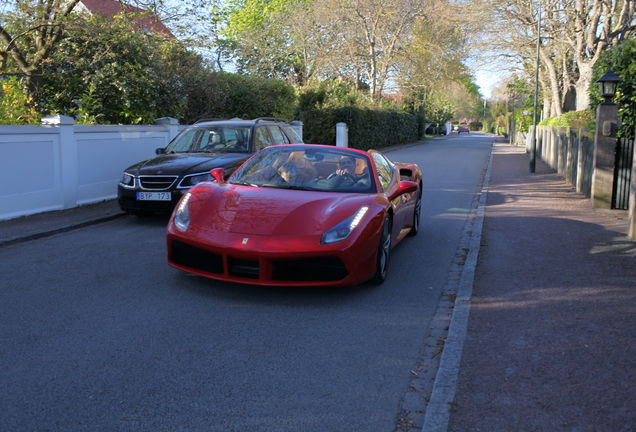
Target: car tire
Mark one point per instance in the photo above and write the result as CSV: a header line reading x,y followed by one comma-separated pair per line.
x,y
384,253
416,215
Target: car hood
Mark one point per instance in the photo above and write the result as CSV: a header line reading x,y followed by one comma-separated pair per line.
x,y
269,212
186,163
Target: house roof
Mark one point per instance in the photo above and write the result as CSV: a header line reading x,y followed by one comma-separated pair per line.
x,y
109,8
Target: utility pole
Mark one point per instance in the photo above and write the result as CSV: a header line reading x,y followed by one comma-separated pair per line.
x,y
533,144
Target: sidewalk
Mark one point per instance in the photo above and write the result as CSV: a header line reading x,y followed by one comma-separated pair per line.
x,y
53,222
551,336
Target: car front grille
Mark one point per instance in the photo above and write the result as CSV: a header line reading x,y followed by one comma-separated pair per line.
x,y
316,269
321,269
157,182
199,259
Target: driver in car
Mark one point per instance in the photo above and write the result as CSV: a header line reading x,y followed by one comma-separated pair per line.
x,y
347,168
214,139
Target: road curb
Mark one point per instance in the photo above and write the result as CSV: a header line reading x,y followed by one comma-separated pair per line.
x,y
49,232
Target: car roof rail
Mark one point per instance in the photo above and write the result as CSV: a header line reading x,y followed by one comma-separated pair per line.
x,y
273,119
207,120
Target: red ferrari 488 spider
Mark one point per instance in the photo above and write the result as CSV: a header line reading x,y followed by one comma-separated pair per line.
x,y
298,214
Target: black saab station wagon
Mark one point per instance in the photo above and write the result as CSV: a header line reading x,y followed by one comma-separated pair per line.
x,y
156,184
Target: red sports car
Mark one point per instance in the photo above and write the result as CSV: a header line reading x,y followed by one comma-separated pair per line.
x,y
298,214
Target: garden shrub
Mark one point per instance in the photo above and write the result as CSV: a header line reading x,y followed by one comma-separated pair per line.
x,y
16,108
368,129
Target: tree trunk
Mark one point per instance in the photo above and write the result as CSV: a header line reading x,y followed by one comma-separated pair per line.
x,y
554,90
582,86
32,81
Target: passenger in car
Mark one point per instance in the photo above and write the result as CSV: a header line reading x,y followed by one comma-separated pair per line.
x,y
289,172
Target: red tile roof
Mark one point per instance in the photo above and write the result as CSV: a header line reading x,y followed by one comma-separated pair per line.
x,y
110,8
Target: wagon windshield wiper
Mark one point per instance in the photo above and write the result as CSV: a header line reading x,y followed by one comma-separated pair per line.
x,y
243,183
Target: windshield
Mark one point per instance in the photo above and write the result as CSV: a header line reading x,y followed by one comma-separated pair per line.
x,y
211,139
307,168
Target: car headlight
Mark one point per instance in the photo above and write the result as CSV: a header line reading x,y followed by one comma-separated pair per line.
x,y
182,213
128,180
194,179
344,228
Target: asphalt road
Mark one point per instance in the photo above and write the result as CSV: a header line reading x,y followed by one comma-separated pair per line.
x,y
98,333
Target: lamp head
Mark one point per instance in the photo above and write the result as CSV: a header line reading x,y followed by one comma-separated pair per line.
x,y
608,83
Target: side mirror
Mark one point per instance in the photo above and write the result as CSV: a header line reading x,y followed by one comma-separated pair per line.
x,y
404,187
159,151
218,174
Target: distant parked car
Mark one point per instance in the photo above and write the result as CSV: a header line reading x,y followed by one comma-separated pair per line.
x,y
157,184
462,128
436,130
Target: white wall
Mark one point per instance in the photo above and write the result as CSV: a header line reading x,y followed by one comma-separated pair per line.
x,y
61,165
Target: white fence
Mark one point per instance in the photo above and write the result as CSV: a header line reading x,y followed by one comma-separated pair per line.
x,y
61,165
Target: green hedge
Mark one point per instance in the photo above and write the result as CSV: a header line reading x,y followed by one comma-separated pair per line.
x,y
571,119
368,129
226,95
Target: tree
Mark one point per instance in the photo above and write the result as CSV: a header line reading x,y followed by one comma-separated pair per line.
x,y
30,33
267,38
111,72
573,35
432,72
380,29
295,40
440,112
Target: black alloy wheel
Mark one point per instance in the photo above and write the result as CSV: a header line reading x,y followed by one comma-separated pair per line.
x,y
416,214
384,253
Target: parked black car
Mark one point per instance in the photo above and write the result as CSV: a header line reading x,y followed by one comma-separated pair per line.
x,y
156,184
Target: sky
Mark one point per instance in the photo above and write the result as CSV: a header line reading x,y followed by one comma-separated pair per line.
x,y
487,81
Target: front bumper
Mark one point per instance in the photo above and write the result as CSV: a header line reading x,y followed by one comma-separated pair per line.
x,y
272,262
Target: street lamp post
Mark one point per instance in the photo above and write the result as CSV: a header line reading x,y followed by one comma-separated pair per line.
x,y
605,142
533,143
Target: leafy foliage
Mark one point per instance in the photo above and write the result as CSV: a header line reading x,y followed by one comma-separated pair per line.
x,y
257,35
224,95
577,119
16,107
368,129
109,72
622,61
439,112
370,124
30,32
523,119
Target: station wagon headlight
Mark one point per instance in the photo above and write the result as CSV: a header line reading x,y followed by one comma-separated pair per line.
x,y
128,180
182,213
190,181
344,228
